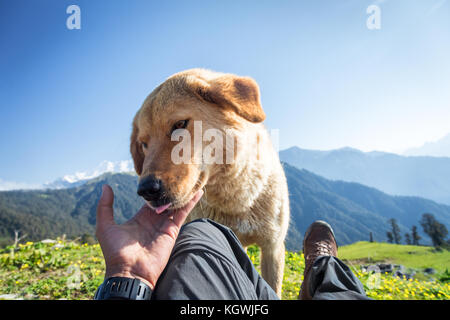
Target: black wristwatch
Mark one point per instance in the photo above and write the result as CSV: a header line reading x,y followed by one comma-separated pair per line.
x,y
121,288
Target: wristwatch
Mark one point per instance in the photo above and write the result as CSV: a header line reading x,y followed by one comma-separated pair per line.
x,y
121,288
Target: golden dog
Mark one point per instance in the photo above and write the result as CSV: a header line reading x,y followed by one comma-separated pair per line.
x,y
244,186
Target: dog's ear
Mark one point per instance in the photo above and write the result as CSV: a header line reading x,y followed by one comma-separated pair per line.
x,y
240,94
136,150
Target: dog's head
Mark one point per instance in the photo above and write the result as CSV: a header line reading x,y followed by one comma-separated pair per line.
x,y
194,100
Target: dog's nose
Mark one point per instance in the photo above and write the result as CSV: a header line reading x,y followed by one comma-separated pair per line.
x,y
149,187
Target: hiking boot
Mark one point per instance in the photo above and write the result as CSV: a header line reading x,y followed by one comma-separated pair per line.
x,y
319,241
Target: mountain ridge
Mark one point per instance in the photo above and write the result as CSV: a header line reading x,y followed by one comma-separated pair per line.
x,y
421,176
352,209
438,148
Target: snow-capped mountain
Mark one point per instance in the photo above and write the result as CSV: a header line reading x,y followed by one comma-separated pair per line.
x,y
79,178
71,180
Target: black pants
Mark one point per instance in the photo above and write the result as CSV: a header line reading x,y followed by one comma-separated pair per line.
x,y
209,262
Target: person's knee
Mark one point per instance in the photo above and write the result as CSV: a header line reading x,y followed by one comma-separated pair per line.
x,y
199,228
205,234
195,224
202,231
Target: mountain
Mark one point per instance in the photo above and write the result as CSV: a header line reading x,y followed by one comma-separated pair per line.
x,y
352,209
440,148
50,213
64,183
81,177
72,180
427,177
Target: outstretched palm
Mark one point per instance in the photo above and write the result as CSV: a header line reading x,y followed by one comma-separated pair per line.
x,y
139,248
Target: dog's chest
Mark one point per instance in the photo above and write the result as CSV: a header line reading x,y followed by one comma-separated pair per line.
x,y
246,199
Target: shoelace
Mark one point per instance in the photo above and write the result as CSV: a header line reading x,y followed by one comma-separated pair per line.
x,y
321,249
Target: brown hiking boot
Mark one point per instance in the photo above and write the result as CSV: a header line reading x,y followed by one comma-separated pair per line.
x,y
319,241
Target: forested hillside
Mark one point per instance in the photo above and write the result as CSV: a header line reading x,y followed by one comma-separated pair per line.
x,y
352,209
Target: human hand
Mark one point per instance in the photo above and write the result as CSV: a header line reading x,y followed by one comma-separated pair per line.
x,y
140,248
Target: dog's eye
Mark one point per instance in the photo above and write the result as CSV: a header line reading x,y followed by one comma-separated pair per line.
x,y
182,124
144,145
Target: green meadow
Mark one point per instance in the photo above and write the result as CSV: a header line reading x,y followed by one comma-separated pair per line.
x,y
71,270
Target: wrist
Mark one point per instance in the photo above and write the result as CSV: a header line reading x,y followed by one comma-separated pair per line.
x,y
123,272
123,288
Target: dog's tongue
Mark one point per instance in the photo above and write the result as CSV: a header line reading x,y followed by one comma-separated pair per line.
x,y
161,209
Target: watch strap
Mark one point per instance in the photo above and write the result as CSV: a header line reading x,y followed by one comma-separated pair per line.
x,y
121,288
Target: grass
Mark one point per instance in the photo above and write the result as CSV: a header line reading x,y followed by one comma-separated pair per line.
x,y
60,270
417,257
379,286
70,270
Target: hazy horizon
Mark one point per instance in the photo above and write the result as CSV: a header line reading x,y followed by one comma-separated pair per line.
x,y
126,165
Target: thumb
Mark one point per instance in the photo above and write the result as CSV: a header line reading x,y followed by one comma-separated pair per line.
x,y
181,214
105,212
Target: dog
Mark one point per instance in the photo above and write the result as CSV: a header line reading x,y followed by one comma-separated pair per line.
x,y
244,186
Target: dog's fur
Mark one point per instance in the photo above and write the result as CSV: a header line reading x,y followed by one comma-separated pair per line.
x,y
249,195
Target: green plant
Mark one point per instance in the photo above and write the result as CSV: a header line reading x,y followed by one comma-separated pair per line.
x,y
70,270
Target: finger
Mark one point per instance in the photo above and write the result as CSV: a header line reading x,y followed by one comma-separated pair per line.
x,y
180,215
105,212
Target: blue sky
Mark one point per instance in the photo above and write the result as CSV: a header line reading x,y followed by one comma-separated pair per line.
x,y
67,97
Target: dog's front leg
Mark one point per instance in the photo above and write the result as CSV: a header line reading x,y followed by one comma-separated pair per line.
x,y
272,265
